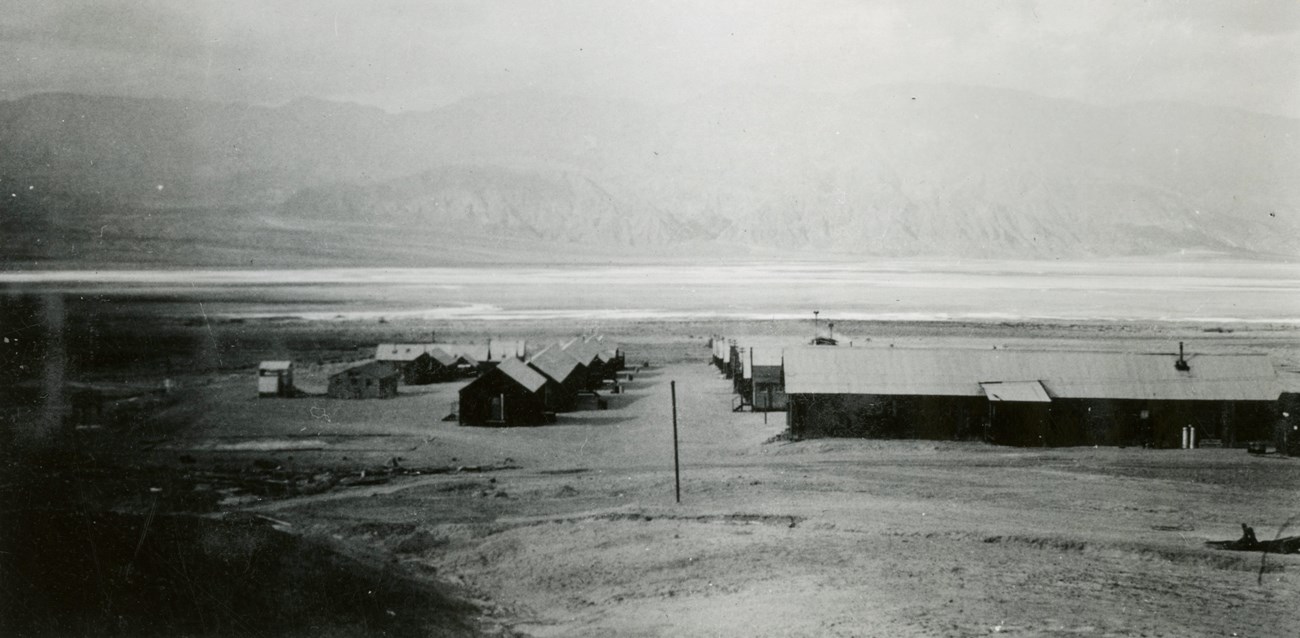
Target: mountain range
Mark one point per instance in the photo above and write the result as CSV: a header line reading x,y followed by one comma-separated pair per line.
x,y
895,171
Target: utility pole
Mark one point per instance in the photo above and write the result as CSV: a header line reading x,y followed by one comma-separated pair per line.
x,y
677,467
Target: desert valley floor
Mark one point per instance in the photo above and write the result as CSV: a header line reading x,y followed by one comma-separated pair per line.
x,y
571,529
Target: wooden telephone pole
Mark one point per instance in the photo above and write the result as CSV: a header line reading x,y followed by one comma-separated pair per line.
x,y
677,467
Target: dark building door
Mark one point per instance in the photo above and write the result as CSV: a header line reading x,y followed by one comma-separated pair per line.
x,y
497,408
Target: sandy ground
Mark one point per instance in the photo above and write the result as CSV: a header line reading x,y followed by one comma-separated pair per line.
x,y
772,538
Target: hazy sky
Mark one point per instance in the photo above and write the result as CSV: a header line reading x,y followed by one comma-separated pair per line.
x,y
416,54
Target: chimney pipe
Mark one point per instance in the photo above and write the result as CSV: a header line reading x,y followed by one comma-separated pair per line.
x,y
1181,363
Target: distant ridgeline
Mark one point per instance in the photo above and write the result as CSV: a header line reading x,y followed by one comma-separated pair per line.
x,y
893,171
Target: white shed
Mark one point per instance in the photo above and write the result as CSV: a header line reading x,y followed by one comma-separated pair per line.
x,y
275,379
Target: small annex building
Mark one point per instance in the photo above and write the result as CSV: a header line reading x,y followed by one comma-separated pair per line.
x,y
1029,397
373,380
275,379
509,394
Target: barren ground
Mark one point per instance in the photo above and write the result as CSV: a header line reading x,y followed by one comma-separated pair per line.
x,y
776,538
829,537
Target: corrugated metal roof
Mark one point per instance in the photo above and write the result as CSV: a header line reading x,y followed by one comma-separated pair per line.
x,y
583,352
400,351
525,376
1016,391
555,364
901,371
473,352
275,365
767,355
442,356
373,369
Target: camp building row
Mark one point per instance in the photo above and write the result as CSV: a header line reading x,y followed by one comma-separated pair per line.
x,y
417,364
1029,397
423,363
515,393
754,365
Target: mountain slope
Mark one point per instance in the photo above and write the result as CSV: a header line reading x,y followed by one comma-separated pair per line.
x,y
897,170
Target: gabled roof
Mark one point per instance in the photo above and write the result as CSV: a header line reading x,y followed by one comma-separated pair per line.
x,y
472,352
583,352
559,350
373,370
555,364
1067,375
443,357
400,351
525,376
275,365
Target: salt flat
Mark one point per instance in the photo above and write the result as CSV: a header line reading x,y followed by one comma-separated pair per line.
x,y
898,291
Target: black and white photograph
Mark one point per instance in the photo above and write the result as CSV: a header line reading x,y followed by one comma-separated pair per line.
x,y
593,318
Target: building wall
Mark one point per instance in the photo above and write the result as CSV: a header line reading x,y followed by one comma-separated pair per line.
x,y
268,385
768,389
555,397
1063,422
1286,433
568,391
274,383
742,386
423,370
885,417
1160,423
595,375
342,386
769,397
521,407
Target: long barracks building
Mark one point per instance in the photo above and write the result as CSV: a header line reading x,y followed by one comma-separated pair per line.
x,y
1029,397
